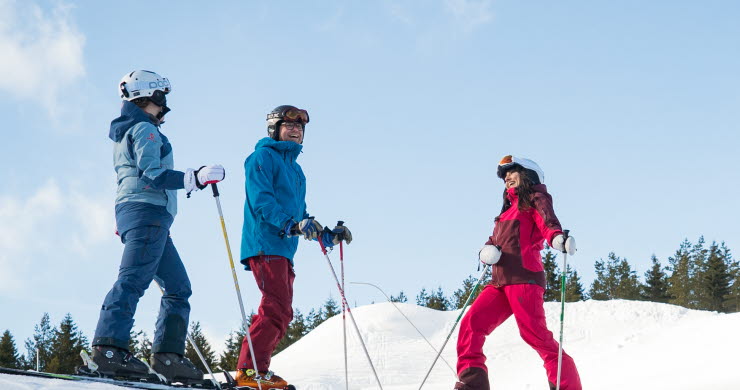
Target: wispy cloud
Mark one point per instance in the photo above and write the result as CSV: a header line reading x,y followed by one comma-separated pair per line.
x,y
42,53
51,229
469,14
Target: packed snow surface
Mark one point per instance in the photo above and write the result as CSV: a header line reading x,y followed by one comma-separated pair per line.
x,y
616,345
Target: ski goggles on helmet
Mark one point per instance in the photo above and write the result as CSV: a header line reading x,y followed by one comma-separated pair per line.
x,y
529,167
295,115
160,98
505,165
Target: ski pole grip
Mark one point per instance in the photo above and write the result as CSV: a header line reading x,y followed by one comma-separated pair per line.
x,y
565,235
214,187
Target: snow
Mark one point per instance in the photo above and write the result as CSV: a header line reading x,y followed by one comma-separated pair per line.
x,y
616,345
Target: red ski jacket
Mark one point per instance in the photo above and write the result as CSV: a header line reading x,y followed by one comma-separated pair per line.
x,y
521,234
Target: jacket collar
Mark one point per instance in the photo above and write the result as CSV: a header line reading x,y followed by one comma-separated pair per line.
x,y
131,114
512,195
288,148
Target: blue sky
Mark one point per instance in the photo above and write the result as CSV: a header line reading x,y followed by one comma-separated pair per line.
x,y
631,108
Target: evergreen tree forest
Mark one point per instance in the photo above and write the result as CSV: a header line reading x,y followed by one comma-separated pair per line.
x,y
700,275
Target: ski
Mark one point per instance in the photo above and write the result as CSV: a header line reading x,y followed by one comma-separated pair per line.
x,y
90,369
79,378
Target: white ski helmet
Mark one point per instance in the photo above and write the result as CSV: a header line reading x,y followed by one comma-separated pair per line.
x,y
533,171
143,83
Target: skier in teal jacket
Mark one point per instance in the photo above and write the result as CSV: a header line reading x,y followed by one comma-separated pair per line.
x,y
274,216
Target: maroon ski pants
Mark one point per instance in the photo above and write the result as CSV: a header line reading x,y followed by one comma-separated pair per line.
x,y
274,276
492,307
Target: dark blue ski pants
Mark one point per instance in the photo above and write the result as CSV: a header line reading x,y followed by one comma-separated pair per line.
x,y
149,254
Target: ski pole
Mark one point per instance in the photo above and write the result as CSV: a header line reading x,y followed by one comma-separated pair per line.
x,y
351,317
412,324
195,347
485,269
344,318
562,307
236,283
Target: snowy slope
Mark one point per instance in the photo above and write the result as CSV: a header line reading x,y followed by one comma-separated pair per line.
x,y
616,344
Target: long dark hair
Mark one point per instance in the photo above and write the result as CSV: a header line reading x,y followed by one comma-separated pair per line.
x,y
524,192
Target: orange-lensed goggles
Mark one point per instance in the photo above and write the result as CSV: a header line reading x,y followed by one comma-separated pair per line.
x,y
506,160
504,165
296,115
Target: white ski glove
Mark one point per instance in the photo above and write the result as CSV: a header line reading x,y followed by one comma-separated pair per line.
x,y
208,175
568,246
489,254
202,177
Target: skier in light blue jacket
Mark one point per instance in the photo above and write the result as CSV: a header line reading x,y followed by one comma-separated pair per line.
x,y
146,205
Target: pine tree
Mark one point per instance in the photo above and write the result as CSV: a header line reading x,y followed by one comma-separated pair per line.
x,y
230,356
715,280
733,300
461,295
8,353
331,308
423,297
65,347
401,298
699,259
39,346
140,345
552,275
680,282
655,288
628,284
615,279
25,364
197,336
296,330
602,288
134,342
573,287
436,300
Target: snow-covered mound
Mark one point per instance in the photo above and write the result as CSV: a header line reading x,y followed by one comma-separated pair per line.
x,y
617,345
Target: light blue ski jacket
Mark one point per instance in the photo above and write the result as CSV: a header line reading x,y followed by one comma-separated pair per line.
x,y
276,194
142,158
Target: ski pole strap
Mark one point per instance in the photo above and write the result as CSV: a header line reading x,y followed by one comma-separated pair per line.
x,y
214,187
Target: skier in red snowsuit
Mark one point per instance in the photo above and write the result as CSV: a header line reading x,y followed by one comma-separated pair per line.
x,y
517,279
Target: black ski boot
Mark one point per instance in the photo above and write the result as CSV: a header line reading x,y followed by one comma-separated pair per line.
x,y
177,368
115,362
473,378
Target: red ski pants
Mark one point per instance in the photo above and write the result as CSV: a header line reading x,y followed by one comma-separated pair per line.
x,y
492,307
274,276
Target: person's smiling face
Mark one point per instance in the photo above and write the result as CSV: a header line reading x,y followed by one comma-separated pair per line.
x,y
512,179
291,131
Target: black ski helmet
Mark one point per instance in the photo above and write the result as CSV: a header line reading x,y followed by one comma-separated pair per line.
x,y
282,113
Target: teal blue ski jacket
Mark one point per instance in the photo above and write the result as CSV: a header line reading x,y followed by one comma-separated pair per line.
x,y
275,195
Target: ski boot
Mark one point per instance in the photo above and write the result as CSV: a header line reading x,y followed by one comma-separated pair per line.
x,y
246,379
112,362
177,369
473,378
